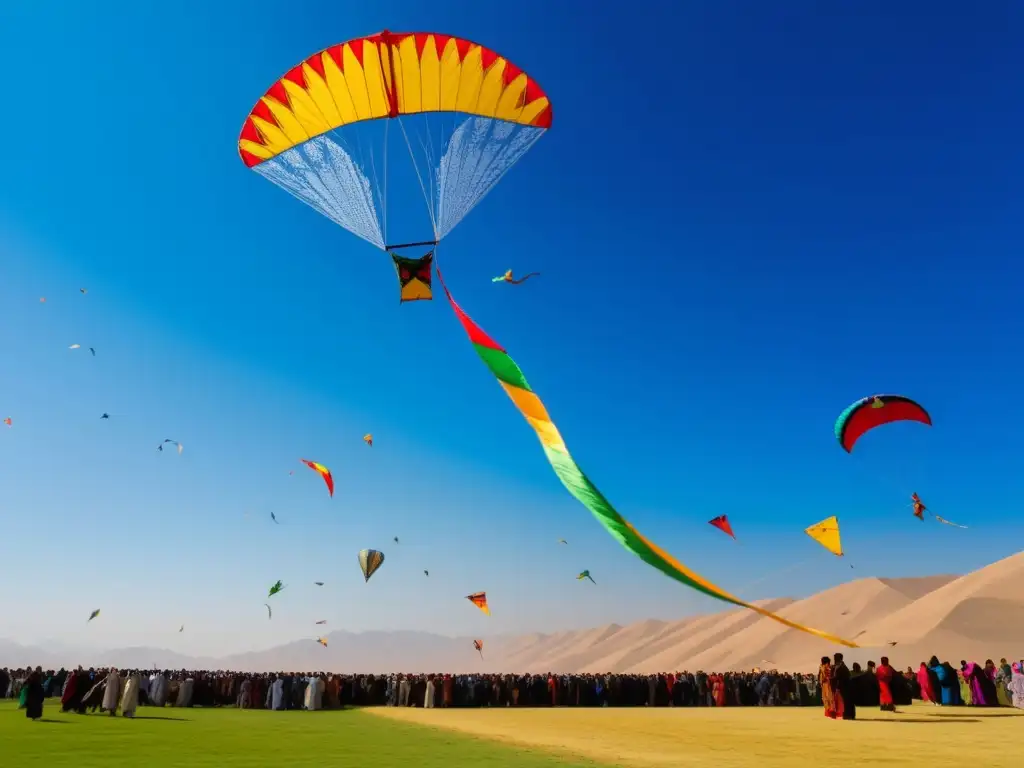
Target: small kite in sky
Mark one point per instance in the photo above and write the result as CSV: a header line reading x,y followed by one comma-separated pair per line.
x,y
75,346
369,561
396,539
562,541
105,416
270,614
322,641
181,628
919,507
826,533
83,290
368,439
7,421
586,575
893,643
278,586
42,299
479,599
318,583
181,447
324,472
274,517
322,621
93,615
722,523
479,645
507,278
426,573
93,350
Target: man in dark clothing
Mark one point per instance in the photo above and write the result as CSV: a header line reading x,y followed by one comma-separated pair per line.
x,y
845,705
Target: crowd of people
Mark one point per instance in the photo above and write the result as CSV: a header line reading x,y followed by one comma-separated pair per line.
x,y
844,688
837,688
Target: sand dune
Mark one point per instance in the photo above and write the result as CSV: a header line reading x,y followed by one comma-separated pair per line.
x,y
974,617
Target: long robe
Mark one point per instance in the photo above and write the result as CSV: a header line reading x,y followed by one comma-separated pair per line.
x,y
846,707
1016,687
884,673
130,699
965,689
983,692
158,690
949,685
34,696
112,692
185,691
277,695
428,695
75,687
924,679
828,700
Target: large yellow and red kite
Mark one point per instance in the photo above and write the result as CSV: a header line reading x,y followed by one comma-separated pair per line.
x,y
462,113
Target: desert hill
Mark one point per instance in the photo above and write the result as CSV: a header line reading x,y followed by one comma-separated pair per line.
x,y
976,616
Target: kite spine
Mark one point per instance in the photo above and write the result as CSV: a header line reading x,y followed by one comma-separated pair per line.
x,y
512,380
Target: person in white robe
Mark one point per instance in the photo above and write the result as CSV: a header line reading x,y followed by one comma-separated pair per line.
x,y
130,699
244,693
319,687
277,694
112,693
404,687
309,695
1016,686
158,690
428,697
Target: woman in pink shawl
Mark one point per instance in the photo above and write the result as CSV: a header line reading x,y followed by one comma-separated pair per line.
x,y
925,681
983,690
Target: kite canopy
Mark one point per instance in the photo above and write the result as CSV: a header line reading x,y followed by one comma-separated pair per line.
x,y
479,645
369,561
324,472
465,114
722,523
826,533
874,411
479,599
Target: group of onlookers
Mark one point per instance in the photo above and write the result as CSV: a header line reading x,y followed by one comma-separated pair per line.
x,y
843,689
838,688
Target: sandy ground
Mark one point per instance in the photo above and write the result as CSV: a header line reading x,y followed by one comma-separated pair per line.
x,y
947,737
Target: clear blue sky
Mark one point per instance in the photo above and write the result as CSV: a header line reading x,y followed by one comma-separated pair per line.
x,y
749,217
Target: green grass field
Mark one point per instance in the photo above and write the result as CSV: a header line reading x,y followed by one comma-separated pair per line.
x,y
519,738
224,738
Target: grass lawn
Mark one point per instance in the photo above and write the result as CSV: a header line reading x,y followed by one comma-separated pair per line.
x,y
516,738
748,737
222,738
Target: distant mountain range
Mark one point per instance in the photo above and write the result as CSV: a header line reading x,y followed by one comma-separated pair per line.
x,y
974,617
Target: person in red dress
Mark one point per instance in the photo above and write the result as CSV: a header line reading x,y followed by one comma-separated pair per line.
x,y
884,674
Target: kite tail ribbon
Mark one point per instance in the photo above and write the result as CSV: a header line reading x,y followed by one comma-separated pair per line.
x,y
516,387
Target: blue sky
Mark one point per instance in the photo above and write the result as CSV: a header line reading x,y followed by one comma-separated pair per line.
x,y
746,218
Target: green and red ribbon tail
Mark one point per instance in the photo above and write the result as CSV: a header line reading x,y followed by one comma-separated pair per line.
x,y
578,484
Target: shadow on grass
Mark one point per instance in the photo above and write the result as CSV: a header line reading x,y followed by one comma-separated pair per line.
x,y
925,720
53,722
160,717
